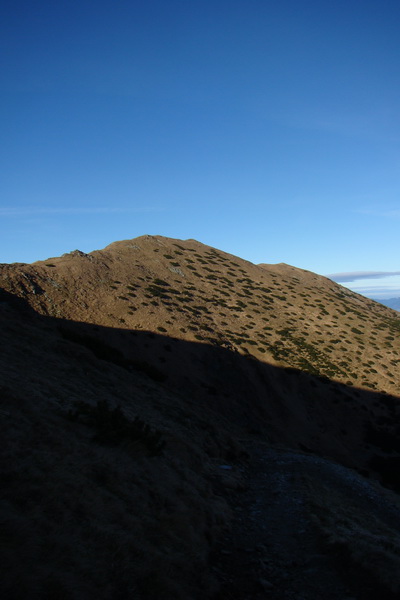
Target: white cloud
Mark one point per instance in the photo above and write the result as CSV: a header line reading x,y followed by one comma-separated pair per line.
x,y
389,214
356,275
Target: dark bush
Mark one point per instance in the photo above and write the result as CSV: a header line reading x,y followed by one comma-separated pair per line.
x,y
112,427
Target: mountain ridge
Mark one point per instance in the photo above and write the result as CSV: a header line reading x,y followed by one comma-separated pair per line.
x,y
393,303
168,360
234,298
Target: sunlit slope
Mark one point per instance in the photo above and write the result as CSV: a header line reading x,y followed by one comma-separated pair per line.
x,y
184,289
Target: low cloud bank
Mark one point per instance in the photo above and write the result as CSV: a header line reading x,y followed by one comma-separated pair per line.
x,y
356,275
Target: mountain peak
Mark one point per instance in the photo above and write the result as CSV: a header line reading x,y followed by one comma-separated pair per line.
x,y
159,386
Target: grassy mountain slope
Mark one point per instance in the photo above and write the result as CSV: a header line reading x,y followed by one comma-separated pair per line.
x,y
276,313
130,374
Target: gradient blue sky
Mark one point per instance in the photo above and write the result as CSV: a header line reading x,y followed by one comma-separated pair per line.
x,y
267,129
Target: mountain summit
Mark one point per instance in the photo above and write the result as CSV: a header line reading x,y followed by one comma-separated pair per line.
x,y
143,388
277,314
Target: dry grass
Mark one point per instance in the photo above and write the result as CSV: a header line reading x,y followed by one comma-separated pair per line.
x,y
278,314
82,519
104,522
196,344
357,535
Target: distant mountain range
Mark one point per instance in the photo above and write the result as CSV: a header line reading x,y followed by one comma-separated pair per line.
x,y
391,303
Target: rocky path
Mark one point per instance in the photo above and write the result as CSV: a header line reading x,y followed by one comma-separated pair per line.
x,y
275,549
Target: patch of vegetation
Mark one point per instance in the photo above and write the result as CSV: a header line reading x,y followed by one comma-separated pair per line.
x,y
157,290
113,428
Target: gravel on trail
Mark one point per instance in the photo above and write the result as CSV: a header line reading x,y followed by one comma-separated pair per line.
x,y
274,550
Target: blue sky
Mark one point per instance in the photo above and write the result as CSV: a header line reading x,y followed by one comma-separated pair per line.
x,y
267,129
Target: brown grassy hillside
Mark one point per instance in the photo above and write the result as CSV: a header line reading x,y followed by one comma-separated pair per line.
x,y
129,375
278,314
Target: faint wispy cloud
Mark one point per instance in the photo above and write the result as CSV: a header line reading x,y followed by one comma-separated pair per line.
x,y
380,293
356,275
390,213
371,124
26,211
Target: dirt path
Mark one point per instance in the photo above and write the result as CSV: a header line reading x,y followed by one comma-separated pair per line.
x,y
275,549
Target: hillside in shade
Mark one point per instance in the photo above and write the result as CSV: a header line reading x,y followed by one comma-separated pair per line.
x,y
143,387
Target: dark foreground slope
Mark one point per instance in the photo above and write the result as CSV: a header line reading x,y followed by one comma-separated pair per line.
x,y
115,433
93,505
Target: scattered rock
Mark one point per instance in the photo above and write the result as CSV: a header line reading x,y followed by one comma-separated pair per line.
x,y
265,584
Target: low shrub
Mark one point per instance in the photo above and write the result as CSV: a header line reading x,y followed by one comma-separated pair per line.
x,y
112,427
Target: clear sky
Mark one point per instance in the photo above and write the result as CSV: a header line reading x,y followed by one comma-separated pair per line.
x,y
269,129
